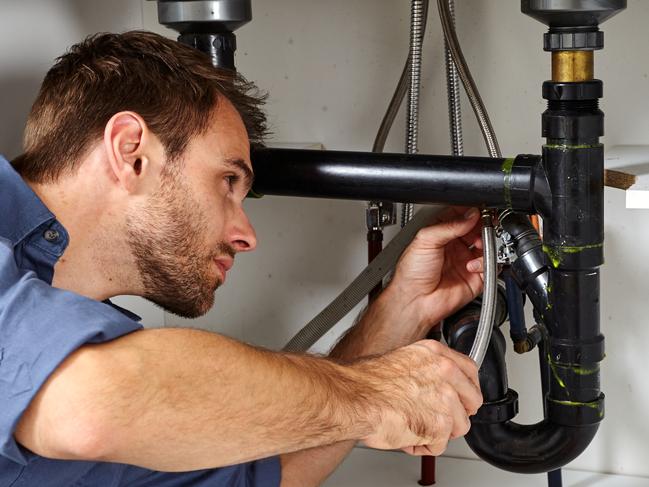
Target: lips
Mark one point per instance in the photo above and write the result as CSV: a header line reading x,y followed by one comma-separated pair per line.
x,y
224,264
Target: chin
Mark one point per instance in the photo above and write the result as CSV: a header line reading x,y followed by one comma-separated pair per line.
x,y
195,302
185,308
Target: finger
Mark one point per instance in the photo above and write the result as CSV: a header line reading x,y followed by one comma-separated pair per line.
x,y
459,212
424,450
474,237
434,449
460,414
465,363
475,265
438,235
460,392
476,244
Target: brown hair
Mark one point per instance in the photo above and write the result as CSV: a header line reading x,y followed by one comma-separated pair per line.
x,y
173,87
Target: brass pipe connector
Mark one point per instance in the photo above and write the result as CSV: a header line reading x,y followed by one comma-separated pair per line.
x,y
572,66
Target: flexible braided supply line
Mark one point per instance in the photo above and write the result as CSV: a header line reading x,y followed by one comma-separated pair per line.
x,y
467,80
488,308
398,95
453,92
361,286
412,124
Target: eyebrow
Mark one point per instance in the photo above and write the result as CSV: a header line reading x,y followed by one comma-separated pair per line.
x,y
248,175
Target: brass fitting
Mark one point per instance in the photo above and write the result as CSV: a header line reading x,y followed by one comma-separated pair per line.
x,y
572,66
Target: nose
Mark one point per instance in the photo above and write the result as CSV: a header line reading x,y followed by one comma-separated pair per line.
x,y
242,234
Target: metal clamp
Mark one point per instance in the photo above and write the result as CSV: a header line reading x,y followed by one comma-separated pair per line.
x,y
380,214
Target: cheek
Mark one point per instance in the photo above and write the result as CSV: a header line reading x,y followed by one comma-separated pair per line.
x,y
219,215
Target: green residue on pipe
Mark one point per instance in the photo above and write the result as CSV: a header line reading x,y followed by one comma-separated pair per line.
x,y
592,405
553,368
584,370
556,254
567,147
553,255
548,306
507,167
576,250
548,288
575,369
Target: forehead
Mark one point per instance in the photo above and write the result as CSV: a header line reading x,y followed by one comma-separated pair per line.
x,y
224,139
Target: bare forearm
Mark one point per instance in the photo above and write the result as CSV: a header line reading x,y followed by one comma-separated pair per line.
x,y
182,399
375,333
385,325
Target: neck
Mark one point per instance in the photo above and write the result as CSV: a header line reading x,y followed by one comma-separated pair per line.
x,y
97,262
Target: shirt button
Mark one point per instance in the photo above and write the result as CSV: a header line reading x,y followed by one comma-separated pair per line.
x,y
51,235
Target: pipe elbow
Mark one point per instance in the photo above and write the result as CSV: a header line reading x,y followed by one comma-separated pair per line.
x,y
529,449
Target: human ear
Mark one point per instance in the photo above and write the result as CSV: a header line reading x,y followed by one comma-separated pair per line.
x,y
125,141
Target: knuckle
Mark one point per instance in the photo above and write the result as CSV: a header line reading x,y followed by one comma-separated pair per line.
x,y
446,426
478,402
422,234
465,427
447,393
446,366
439,447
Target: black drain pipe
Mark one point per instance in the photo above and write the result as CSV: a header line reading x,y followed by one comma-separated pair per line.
x,y
207,25
564,285
494,437
566,189
517,183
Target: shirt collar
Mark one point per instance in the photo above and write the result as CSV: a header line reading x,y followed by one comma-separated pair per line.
x,y
22,211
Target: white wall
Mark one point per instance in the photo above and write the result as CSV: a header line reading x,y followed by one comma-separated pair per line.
x,y
330,68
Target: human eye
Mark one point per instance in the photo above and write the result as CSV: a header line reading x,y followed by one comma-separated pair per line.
x,y
231,180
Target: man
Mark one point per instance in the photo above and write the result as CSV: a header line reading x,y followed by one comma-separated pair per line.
x,y
135,167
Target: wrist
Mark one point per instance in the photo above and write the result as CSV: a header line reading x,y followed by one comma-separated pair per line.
x,y
370,399
359,411
404,314
335,397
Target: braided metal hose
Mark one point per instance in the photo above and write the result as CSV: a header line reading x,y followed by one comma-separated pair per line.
x,y
467,80
412,128
488,310
397,97
453,91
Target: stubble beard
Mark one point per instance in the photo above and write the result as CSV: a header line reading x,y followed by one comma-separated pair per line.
x,y
165,238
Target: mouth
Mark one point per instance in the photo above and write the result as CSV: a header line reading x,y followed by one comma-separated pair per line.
x,y
224,265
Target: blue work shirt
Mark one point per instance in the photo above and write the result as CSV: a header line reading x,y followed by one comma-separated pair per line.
x,y
39,327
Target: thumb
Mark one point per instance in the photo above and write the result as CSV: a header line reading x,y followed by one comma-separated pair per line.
x,y
438,235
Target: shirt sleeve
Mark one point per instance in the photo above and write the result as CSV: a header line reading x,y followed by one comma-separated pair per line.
x,y
39,327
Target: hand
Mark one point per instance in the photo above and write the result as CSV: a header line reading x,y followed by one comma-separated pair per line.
x,y
440,271
426,393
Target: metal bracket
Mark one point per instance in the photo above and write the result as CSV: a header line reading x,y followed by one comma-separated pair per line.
x,y
380,214
506,252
